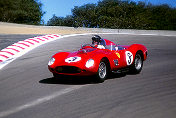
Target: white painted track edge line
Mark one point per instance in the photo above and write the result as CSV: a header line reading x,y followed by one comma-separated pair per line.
x,y
142,34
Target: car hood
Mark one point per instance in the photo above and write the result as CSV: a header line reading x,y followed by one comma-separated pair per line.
x,y
83,52
77,58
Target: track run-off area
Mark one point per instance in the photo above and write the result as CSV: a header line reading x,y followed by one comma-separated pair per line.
x,y
28,89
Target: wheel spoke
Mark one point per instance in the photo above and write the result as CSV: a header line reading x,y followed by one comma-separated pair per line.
x,y
102,70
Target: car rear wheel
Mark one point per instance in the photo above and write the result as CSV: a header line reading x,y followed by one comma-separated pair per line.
x,y
102,72
136,67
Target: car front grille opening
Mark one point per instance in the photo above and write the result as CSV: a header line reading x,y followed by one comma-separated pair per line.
x,y
67,69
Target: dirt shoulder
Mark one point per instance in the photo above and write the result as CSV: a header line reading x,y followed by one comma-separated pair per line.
x,y
12,28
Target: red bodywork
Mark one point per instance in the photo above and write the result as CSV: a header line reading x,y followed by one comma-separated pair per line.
x,y
120,58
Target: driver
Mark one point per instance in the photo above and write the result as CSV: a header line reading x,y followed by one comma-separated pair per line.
x,y
98,42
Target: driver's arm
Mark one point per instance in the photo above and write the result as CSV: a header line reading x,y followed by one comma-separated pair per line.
x,y
101,47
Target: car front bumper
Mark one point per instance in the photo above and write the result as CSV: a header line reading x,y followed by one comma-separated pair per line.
x,y
72,70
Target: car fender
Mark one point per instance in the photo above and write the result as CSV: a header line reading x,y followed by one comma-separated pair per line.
x,y
97,58
59,57
134,48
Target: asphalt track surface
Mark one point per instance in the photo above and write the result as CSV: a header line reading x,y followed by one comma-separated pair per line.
x,y
6,40
28,90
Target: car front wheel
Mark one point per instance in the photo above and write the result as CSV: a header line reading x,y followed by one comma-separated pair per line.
x,y
102,72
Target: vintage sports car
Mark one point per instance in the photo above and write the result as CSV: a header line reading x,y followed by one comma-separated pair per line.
x,y
99,58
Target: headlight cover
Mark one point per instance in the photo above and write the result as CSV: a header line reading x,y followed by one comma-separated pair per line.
x,y
89,63
51,61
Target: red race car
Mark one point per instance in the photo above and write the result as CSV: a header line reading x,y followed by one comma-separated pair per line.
x,y
99,58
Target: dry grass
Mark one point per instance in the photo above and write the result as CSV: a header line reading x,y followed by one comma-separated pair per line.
x,y
11,28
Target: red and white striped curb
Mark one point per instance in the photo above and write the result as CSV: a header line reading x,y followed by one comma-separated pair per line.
x,y
22,47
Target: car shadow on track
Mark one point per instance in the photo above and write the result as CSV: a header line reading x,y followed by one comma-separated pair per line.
x,y
68,80
72,80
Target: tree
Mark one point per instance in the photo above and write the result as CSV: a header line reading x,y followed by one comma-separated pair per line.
x,y
21,11
85,16
56,21
123,14
69,21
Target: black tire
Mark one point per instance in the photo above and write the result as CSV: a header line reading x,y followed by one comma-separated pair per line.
x,y
102,72
137,65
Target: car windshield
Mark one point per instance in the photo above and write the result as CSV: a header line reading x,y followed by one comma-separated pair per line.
x,y
114,47
110,47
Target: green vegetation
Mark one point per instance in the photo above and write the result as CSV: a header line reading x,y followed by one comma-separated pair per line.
x,y
119,14
21,11
115,14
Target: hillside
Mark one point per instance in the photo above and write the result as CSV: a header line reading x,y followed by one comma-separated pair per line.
x,y
12,28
